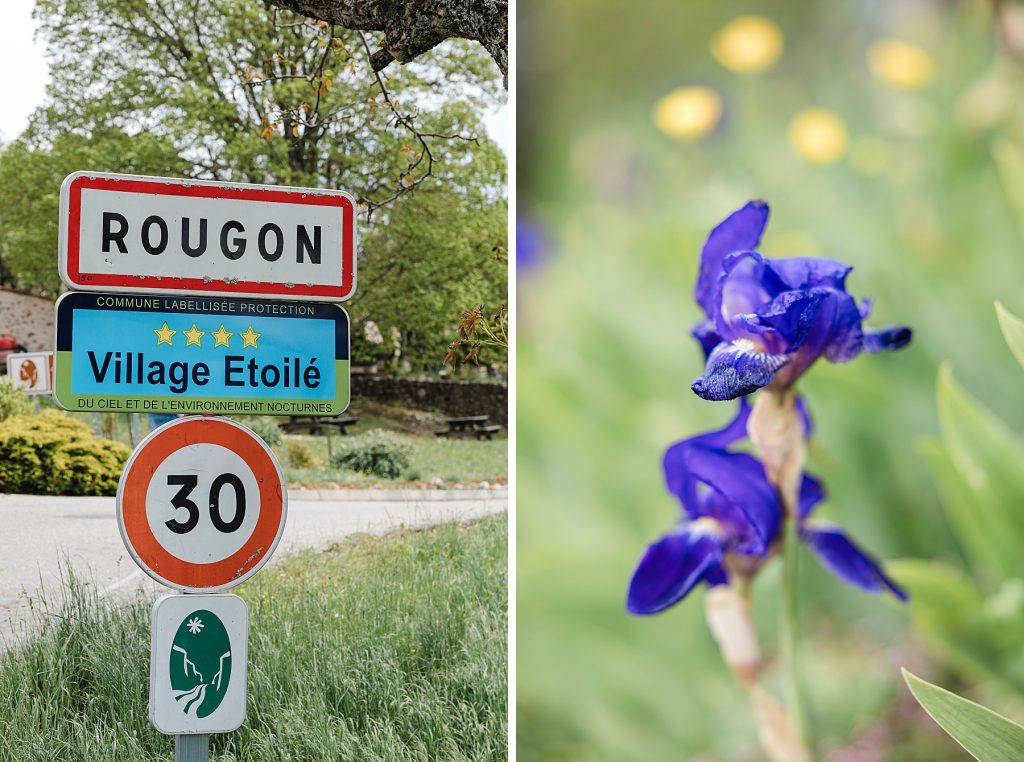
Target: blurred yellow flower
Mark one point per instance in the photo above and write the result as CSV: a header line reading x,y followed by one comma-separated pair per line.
x,y
900,64
689,112
871,155
818,135
748,44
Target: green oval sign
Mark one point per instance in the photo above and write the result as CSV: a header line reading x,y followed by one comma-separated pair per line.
x,y
200,664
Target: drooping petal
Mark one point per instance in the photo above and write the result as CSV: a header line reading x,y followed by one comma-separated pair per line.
x,y
848,562
674,565
737,368
740,231
737,495
812,492
887,339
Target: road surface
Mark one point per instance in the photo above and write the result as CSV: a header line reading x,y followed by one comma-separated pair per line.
x,y
43,534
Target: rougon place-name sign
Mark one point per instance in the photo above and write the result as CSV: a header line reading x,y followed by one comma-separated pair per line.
x,y
159,235
198,354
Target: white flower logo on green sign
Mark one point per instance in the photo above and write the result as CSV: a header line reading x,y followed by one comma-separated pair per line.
x,y
200,663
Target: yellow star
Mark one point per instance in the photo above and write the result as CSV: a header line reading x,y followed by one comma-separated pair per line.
x,y
193,336
164,334
249,337
221,337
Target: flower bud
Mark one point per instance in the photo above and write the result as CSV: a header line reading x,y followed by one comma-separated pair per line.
x,y
775,729
728,615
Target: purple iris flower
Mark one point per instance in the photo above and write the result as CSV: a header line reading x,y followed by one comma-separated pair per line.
x,y
767,320
530,245
732,519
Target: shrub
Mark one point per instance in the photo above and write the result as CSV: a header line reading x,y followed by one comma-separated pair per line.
x,y
53,454
263,425
376,453
298,455
13,401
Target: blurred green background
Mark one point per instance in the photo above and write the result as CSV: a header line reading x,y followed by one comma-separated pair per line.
x,y
914,176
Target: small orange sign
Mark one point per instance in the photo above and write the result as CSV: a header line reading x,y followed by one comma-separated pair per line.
x,y
31,371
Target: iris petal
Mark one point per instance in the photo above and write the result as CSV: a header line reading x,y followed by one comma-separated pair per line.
x,y
673,566
810,272
706,333
737,368
812,492
740,231
887,339
847,561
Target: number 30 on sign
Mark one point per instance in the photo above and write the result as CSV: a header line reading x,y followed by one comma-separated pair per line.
x,y
201,504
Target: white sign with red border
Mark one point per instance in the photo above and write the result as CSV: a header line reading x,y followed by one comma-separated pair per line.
x,y
163,236
31,371
201,504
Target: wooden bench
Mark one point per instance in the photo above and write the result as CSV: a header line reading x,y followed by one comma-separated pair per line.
x,y
469,426
314,424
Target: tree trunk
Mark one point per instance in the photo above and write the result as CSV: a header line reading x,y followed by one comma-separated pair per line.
x,y
412,27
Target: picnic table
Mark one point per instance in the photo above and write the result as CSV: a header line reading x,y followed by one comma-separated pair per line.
x,y
469,426
313,424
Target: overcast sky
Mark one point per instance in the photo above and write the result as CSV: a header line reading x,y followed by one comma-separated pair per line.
x,y
24,84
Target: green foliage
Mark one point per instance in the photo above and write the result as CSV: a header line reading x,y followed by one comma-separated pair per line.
x,y
53,454
265,426
297,454
974,619
423,267
13,401
384,648
376,453
988,737
1013,331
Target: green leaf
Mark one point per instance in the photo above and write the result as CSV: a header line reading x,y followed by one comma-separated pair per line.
x,y
990,458
988,737
978,529
1013,331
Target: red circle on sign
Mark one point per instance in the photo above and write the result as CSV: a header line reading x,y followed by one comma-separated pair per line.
x,y
155,559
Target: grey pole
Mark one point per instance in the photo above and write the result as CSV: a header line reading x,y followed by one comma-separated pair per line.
x,y
192,748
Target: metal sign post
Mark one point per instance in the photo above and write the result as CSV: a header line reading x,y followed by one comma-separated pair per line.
x,y
202,502
201,506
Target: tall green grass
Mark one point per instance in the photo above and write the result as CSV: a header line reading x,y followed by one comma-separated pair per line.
x,y
382,648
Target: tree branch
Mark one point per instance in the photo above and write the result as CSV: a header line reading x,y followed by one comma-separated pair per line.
x,y
413,27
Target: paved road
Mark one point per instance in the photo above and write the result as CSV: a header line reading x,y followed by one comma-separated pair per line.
x,y
40,534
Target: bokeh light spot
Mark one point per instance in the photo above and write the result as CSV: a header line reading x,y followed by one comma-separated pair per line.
x,y
748,44
818,135
689,112
901,65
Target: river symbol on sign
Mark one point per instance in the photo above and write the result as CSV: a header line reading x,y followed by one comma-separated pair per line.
x,y
200,664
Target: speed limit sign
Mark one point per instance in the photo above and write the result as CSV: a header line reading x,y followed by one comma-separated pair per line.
x,y
201,504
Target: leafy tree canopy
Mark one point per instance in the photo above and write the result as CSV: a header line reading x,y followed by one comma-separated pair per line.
x,y
237,91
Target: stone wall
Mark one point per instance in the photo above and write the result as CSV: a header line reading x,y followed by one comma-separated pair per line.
x,y
453,398
29,318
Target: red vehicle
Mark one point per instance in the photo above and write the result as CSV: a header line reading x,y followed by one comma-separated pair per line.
x,y
9,344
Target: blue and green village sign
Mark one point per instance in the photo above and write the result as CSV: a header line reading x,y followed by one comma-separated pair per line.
x,y
200,355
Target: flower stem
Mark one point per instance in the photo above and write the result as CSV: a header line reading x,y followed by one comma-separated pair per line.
x,y
789,636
